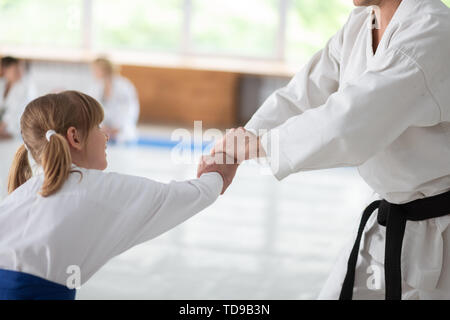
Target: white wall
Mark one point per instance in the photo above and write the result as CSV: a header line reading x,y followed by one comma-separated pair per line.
x,y
56,76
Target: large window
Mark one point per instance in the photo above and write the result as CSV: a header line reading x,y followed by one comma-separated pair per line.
x,y
269,29
311,23
43,22
235,27
137,24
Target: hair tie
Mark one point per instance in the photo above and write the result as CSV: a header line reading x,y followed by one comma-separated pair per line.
x,y
26,147
49,134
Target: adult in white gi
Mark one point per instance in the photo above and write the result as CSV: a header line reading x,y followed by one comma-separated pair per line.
x,y
16,90
119,99
381,104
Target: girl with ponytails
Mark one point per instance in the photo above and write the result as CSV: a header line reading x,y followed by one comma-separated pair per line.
x,y
73,216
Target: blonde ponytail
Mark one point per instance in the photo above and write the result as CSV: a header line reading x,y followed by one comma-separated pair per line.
x,y
56,161
20,170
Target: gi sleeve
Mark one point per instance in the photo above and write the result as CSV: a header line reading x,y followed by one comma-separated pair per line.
x,y
309,88
141,209
366,115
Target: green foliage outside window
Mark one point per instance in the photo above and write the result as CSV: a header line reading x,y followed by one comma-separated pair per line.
x,y
246,28
44,22
311,23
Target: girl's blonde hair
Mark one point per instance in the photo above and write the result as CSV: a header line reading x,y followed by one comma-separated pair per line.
x,y
56,112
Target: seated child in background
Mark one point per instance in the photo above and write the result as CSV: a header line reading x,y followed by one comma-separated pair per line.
x,y
119,99
16,90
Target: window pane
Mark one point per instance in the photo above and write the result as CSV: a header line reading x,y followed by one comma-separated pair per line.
x,y
138,24
43,22
311,23
244,28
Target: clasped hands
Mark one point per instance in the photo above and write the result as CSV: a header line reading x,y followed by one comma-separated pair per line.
x,y
227,154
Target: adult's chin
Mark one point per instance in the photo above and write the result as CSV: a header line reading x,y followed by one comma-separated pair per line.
x,y
365,3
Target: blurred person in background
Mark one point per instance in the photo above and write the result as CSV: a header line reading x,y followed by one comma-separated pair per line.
x,y
119,99
16,90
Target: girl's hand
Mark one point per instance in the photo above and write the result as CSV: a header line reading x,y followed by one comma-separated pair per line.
x,y
221,163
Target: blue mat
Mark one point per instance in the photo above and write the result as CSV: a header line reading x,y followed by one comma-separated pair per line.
x,y
157,142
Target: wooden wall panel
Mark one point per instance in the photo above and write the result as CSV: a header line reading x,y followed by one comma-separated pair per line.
x,y
180,96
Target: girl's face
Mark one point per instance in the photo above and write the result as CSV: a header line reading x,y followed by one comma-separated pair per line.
x,y
95,149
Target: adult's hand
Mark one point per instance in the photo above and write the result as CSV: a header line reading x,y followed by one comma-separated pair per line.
x,y
221,163
240,144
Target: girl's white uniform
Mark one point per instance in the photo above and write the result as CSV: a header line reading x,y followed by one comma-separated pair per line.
x,y
12,107
92,219
121,108
388,114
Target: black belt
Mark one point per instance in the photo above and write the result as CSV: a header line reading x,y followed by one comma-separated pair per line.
x,y
393,217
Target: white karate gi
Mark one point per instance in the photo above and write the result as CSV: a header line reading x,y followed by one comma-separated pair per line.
x,y
388,114
121,108
20,94
91,220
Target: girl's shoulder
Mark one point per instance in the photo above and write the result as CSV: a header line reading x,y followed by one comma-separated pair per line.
x,y
27,190
82,183
98,181
110,189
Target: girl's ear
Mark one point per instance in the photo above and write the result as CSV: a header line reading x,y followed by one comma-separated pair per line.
x,y
74,139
